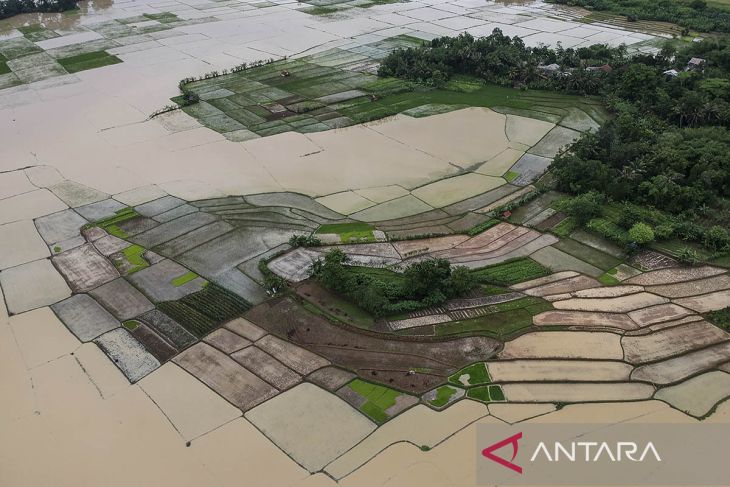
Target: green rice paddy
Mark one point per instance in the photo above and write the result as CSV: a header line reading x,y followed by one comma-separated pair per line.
x,y
478,375
378,399
486,393
89,60
350,232
133,255
511,272
443,396
184,279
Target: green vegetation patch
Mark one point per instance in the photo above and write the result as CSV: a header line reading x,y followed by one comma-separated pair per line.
x,y
36,32
163,17
134,255
110,224
587,254
184,279
720,318
511,272
350,232
472,375
378,399
477,229
510,176
490,393
202,311
131,325
501,321
443,396
89,60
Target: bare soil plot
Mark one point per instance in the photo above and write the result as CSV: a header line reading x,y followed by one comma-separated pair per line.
x,y
84,317
674,275
331,378
608,292
584,319
295,357
84,268
525,130
226,341
346,202
407,248
706,302
31,205
190,406
529,168
127,353
222,374
658,314
267,367
311,425
499,164
676,369
671,341
164,281
245,328
382,194
650,260
692,288
564,344
109,245
577,392
383,249
698,395
568,285
622,304
32,285
558,371
122,299
375,357
540,281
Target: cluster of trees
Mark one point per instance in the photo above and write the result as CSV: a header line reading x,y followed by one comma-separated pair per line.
x,y
424,284
8,8
691,14
667,145
502,60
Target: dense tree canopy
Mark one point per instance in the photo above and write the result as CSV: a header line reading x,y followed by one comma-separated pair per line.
x,y
8,8
426,283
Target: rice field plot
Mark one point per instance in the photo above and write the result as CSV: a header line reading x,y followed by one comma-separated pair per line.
x,y
89,60
336,88
473,375
501,321
378,402
322,300
202,311
443,396
511,272
410,364
588,254
487,394
349,232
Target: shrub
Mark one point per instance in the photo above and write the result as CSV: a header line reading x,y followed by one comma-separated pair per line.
x,y
641,233
717,238
304,241
688,256
584,207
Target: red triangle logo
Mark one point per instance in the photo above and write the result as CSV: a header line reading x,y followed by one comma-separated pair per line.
x,y
487,452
